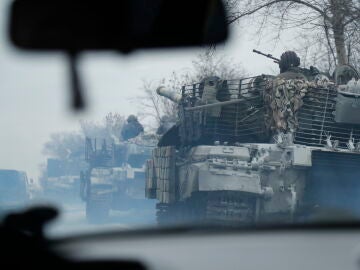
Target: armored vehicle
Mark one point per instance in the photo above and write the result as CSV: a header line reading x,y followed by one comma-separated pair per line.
x,y
115,178
62,179
14,189
259,149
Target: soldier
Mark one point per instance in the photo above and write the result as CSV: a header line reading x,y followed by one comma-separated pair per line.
x,y
132,129
209,94
344,73
287,91
165,124
212,90
289,66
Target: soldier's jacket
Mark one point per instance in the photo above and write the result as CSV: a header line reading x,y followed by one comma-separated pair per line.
x,y
131,130
284,98
292,74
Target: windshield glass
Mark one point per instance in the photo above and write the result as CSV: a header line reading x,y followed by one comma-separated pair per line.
x,y
213,135
13,187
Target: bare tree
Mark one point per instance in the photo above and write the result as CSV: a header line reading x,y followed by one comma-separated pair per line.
x,y
354,49
209,64
204,65
153,105
62,145
109,128
70,145
336,20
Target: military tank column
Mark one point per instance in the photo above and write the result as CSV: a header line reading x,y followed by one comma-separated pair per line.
x,y
260,148
116,175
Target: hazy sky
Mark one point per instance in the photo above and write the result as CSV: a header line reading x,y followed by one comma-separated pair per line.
x,y
34,88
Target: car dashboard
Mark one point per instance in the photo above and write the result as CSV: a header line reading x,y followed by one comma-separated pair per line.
x,y
234,249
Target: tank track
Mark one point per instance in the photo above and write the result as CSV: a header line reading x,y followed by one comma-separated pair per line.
x,y
229,210
219,208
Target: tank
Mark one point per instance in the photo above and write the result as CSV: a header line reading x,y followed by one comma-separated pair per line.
x,y
116,176
259,149
62,179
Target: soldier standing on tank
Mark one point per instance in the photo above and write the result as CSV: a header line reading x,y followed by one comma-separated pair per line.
x,y
210,92
289,66
286,96
132,128
290,69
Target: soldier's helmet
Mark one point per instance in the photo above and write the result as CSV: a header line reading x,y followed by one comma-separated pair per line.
x,y
211,81
132,118
288,60
344,73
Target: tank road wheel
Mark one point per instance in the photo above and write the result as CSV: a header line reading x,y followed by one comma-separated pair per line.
x,y
97,211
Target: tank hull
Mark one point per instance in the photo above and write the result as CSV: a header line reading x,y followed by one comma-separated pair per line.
x,y
249,183
257,150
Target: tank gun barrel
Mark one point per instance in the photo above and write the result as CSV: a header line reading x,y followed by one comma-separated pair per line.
x,y
172,95
276,60
219,104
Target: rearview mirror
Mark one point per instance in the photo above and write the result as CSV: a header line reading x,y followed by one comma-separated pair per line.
x,y
121,25
115,25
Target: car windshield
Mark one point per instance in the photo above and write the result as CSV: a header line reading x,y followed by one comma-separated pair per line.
x,y
13,187
218,135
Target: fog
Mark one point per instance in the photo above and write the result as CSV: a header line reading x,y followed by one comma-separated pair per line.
x,y
34,100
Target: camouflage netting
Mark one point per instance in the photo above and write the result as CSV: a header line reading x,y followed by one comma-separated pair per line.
x,y
283,98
